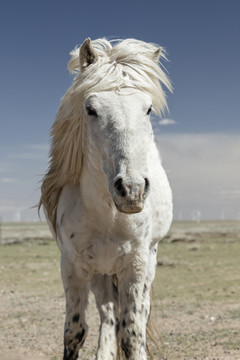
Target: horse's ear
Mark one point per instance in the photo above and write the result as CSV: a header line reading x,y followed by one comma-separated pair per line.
x,y
87,54
157,54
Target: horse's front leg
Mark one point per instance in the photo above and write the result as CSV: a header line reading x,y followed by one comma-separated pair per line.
x,y
150,275
76,294
106,296
132,326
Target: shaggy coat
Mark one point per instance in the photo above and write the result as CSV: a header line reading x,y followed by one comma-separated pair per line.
x,y
106,196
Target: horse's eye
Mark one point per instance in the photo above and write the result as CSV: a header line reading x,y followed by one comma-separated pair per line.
x,y
91,111
149,110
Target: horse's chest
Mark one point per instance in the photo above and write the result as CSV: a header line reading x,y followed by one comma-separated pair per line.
x,y
97,253
105,254
94,243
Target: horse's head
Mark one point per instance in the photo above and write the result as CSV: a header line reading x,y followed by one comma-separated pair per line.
x,y
121,134
112,95
124,82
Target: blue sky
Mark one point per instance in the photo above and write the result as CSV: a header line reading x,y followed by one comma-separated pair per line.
x,y
202,41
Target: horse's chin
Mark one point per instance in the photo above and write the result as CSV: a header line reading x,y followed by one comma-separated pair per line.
x,y
129,208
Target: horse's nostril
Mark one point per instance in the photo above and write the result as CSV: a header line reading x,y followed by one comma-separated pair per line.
x,y
118,185
147,185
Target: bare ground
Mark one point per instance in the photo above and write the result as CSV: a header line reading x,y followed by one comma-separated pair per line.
x,y
196,307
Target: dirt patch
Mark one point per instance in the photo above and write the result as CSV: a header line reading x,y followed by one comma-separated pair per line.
x,y
196,300
34,324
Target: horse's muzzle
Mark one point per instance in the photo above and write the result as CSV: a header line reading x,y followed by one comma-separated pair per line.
x,y
129,195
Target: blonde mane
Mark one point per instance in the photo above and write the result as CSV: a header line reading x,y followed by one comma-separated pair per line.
x,y
120,64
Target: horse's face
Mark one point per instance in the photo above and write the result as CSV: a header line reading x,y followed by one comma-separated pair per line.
x,y
121,133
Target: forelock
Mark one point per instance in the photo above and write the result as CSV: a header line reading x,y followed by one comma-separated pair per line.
x,y
123,64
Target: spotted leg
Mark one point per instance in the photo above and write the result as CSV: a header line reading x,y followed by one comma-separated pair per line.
x,y
106,296
76,293
151,269
132,327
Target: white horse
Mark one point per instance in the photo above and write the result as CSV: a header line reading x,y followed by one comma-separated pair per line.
x,y
106,196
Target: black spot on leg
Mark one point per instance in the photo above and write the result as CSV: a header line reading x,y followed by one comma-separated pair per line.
x,y
126,349
69,354
117,327
72,235
79,336
115,286
109,322
124,323
75,318
145,288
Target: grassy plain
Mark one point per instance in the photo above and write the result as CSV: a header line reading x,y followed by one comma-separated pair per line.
x,y
196,293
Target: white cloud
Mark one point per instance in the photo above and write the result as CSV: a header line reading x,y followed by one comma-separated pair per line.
x,y
39,147
165,122
25,156
204,173
227,193
22,170
29,152
8,180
